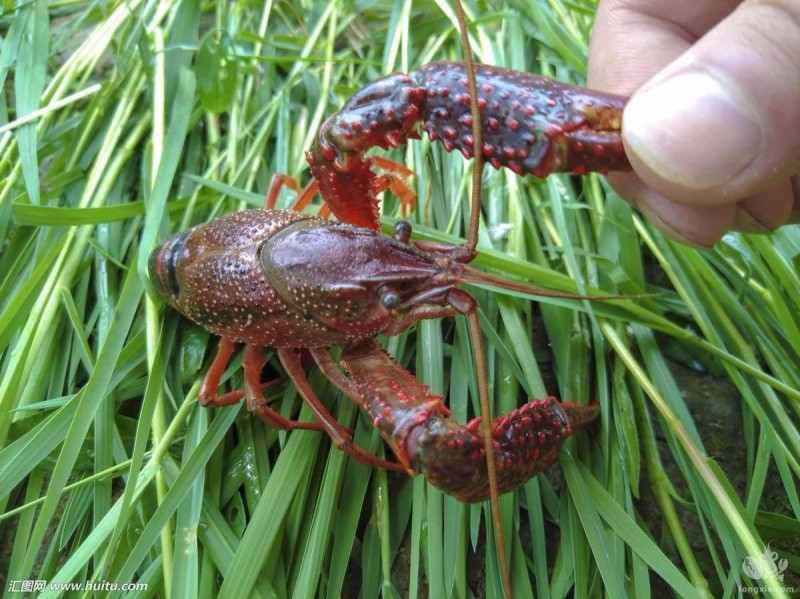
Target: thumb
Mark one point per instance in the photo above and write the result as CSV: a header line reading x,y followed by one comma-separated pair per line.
x,y
720,123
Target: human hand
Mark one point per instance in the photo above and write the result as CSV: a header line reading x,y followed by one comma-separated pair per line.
x,y
713,128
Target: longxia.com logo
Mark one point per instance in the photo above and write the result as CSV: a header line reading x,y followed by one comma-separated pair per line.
x,y
767,565
762,566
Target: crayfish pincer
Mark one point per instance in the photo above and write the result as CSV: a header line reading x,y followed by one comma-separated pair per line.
x,y
291,281
416,426
530,124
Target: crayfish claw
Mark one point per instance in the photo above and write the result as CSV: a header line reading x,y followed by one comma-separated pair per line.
x,y
579,416
381,114
530,125
587,150
526,442
385,113
451,456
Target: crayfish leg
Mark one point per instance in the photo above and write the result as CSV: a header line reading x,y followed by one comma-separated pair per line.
x,y
394,176
207,397
257,403
338,434
335,376
279,181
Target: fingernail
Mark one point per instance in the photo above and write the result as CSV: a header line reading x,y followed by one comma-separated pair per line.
x,y
692,129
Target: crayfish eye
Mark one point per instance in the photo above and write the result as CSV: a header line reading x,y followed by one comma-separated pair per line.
x,y
389,299
402,231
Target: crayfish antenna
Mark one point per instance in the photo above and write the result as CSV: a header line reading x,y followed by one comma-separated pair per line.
x,y
467,274
474,326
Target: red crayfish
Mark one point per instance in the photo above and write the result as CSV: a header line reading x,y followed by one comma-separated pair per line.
x,y
288,280
291,281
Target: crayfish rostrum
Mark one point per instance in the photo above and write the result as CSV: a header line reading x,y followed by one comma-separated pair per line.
x,y
291,281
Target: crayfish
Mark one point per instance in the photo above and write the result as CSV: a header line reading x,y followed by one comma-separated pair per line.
x,y
296,282
287,280
284,279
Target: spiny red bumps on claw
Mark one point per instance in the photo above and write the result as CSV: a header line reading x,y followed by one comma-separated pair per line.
x,y
526,442
349,194
528,121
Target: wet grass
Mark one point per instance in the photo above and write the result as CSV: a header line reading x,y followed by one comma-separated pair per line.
x,y
124,122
